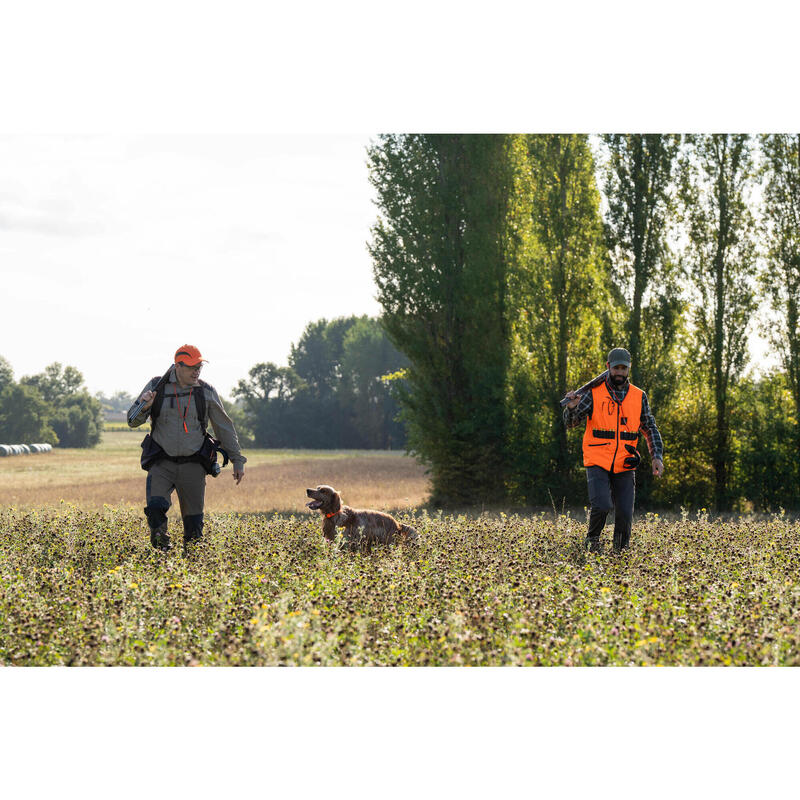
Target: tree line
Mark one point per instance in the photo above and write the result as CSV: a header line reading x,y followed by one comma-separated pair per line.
x,y
509,265
51,407
335,392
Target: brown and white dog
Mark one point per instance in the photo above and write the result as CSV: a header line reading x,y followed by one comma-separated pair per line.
x,y
362,529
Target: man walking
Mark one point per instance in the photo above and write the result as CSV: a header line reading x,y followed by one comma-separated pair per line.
x,y
616,412
180,406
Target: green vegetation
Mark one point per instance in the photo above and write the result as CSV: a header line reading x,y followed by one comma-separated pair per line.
x,y
442,267
506,277
52,406
332,395
86,589
561,306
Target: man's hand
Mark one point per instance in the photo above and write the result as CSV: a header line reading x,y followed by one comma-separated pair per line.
x,y
238,474
574,399
149,396
658,467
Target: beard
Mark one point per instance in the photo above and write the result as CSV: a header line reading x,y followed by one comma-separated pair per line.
x,y
618,380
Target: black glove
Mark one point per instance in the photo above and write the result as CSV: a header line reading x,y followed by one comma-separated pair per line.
x,y
634,459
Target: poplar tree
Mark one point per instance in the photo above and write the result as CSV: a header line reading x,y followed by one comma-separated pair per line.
x,y
638,182
780,280
561,296
720,259
440,267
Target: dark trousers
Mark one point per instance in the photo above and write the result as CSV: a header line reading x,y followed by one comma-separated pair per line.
x,y
609,490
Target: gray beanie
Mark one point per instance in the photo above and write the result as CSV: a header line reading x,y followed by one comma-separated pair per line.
x,y
619,355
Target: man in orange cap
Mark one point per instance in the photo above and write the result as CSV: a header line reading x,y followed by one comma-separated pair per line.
x,y
180,406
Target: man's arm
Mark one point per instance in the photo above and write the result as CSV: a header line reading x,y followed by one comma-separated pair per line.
x,y
225,432
573,413
145,394
647,425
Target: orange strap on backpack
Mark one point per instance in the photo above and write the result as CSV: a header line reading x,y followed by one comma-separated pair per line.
x,y
183,411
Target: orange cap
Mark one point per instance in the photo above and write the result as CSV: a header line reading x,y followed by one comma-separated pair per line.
x,y
188,354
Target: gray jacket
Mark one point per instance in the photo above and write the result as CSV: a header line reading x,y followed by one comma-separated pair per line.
x,y
169,432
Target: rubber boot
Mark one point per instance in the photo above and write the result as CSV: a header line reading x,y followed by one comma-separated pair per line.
x,y
192,529
622,537
159,538
597,521
156,513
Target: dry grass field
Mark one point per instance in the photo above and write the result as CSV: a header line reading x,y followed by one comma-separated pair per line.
x,y
275,480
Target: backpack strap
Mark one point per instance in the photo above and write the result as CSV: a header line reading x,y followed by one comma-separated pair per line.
x,y
202,409
159,389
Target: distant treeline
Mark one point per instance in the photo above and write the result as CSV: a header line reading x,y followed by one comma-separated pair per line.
x,y
506,277
53,406
334,393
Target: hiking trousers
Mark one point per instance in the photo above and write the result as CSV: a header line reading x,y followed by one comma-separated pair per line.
x,y
188,480
609,490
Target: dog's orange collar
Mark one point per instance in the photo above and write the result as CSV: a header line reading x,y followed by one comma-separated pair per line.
x,y
332,515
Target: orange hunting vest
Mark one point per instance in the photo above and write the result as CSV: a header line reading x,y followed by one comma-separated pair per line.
x,y
611,427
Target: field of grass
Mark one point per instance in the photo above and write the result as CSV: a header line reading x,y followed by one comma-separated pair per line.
x,y
80,584
82,587
274,479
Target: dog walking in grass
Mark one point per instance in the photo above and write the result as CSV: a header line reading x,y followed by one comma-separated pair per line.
x,y
362,528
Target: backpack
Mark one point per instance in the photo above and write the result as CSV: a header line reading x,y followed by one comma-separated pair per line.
x,y
152,452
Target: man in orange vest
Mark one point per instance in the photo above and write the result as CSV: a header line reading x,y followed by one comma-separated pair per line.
x,y
616,412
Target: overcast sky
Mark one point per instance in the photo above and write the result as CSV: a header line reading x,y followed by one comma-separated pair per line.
x,y
117,250
124,248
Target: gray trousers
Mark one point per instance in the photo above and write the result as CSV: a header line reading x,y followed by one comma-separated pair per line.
x,y
189,480
609,490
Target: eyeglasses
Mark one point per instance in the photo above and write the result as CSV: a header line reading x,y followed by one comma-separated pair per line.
x,y
195,368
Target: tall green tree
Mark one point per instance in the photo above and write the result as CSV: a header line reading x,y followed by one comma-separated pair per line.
x,y
333,396
78,420
267,395
560,294
780,280
367,356
56,382
638,183
720,258
439,258
25,416
317,356
76,416
639,187
6,374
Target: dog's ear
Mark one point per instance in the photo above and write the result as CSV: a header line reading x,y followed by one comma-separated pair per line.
x,y
336,501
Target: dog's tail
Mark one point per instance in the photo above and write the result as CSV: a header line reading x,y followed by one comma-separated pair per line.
x,y
408,534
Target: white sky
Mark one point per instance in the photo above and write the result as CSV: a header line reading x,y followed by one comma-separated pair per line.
x,y
227,230
131,246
